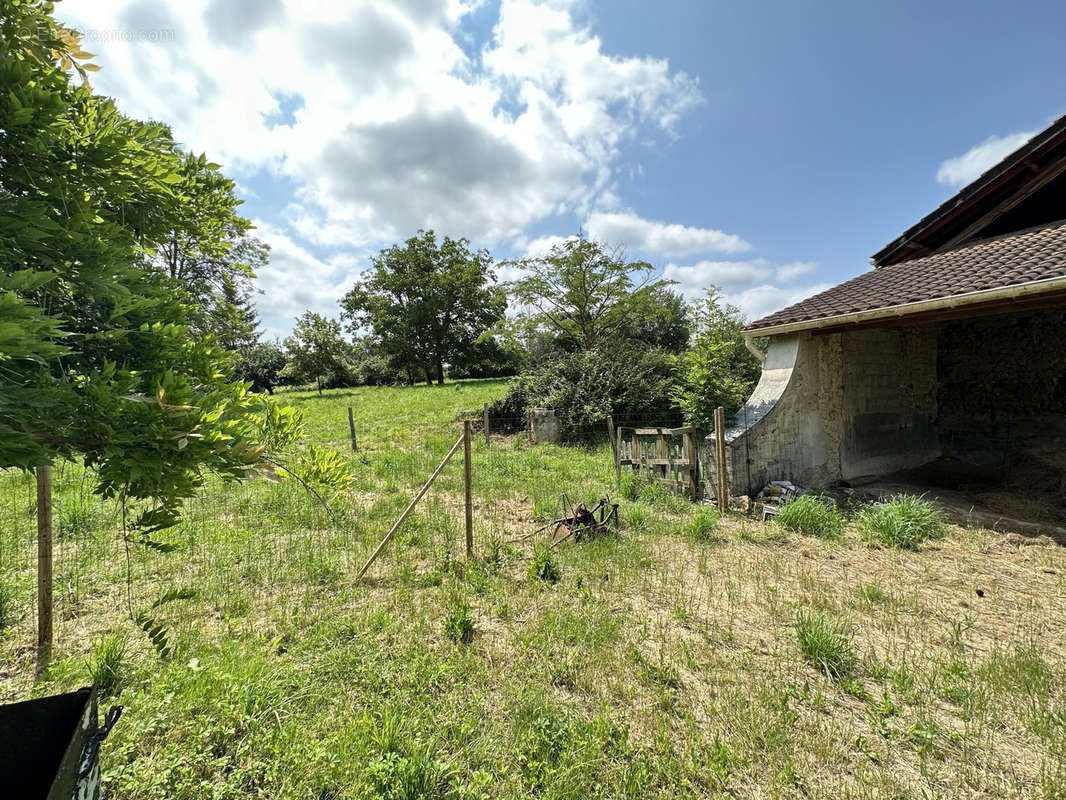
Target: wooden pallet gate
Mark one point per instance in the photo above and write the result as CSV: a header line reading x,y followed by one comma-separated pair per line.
x,y
669,456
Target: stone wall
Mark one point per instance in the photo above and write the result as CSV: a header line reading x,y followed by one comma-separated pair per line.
x,y
837,406
880,400
888,400
1002,385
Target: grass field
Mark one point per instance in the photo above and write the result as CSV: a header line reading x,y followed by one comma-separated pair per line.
x,y
685,657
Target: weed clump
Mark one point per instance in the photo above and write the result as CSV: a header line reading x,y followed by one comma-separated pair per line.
x,y
542,566
106,663
458,624
701,527
811,515
826,643
905,521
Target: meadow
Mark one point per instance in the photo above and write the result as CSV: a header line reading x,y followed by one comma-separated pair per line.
x,y
826,655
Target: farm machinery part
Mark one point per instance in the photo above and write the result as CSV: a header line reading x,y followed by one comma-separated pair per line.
x,y
582,522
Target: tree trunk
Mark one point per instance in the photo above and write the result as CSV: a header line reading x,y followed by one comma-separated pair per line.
x,y
440,372
429,375
320,386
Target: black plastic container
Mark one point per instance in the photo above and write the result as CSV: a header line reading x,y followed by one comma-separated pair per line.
x,y
50,748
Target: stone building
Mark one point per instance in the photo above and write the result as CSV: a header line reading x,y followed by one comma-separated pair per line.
x,y
948,358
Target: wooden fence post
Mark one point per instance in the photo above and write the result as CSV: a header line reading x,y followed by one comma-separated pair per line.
x,y
44,566
720,461
469,490
485,415
614,449
351,428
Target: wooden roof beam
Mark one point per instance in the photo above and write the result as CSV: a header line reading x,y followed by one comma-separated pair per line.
x,y
1026,190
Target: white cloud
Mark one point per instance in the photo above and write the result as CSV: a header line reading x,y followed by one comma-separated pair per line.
x,y
396,127
742,283
789,272
296,280
376,118
963,169
694,281
541,245
670,240
758,301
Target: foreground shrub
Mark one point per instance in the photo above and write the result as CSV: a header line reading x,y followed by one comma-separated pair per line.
x,y
826,643
542,566
812,516
905,521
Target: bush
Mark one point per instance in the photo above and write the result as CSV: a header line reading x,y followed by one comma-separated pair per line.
x,y
812,516
628,381
542,565
826,643
905,522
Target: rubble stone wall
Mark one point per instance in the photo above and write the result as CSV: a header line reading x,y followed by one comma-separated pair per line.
x,y
837,406
1002,385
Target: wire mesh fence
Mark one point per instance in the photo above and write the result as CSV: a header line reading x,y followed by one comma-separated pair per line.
x,y
245,552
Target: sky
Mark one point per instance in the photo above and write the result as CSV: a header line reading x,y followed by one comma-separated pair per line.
x,y
766,148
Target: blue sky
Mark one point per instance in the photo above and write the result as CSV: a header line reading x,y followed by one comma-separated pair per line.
x,y
768,148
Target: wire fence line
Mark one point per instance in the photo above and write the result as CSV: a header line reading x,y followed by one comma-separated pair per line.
x,y
273,546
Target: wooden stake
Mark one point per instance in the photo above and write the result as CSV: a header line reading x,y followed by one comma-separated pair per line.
x,y
614,449
44,567
719,453
467,436
485,415
396,525
351,428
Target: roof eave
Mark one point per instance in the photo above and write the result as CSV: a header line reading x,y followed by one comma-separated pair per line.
x,y
1015,291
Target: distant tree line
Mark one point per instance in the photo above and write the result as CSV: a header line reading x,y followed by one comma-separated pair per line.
x,y
589,334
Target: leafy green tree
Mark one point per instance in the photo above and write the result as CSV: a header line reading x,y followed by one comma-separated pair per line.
x,y
317,350
210,253
97,362
719,370
261,365
582,292
426,302
657,317
490,356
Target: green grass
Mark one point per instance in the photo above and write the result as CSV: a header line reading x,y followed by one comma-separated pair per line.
x,y
107,663
812,515
904,521
656,666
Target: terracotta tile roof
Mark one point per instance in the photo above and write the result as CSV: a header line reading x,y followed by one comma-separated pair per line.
x,y
1017,258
